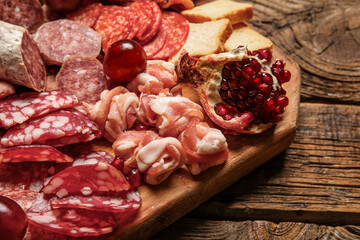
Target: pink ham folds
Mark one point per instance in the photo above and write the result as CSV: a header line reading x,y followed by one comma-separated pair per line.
x,y
158,76
170,114
115,112
154,156
205,147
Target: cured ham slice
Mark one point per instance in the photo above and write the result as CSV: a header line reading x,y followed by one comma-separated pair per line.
x,y
158,75
205,147
21,107
6,89
33,153
174,113
155,157
115,112
86,180
60,128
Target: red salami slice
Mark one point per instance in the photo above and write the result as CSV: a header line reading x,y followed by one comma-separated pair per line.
x,y
93,157
32,153
62,38
25,198
149,20
20,58
123,202
177,31
153,47
21,107
83,77
58,128
86,180
72,222
86,15
113,24
27,175
25,13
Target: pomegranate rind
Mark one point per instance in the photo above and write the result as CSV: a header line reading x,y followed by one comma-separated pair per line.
x,y
205,75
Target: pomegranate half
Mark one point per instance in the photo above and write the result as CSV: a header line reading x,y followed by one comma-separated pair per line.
x,y
239,90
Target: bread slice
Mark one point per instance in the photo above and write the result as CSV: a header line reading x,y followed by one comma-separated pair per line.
x,y
209,11
243,35
206,38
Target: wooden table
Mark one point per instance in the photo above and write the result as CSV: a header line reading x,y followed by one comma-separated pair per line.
x,y
311,190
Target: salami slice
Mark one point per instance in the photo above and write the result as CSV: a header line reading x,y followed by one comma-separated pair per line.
x,y
25,198
177,31
93,157
62,38
58,128
73,222
86,15
82,76
6,89
113,24
20,58
86,180
153,47
122,202
149,20
32,153
25,13
21,107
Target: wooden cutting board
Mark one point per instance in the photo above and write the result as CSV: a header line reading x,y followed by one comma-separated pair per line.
x,y
182,192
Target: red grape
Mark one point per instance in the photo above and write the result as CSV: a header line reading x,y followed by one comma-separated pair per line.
x,y
13,221
124,60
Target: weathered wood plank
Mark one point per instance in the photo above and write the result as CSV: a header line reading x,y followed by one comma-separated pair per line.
x,y
317,179
323,37
188,228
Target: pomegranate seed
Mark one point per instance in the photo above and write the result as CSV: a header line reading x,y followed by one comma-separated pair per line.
x,y
240,105
274,94
257,110
220,109
234,83
282,91
264,54
255,82
242,94
279,73
118,163
255,64
227,117
266,78
223,94
270,104
252,93
287,76
278,111
226,73
234,93
265,89
247,117
259,99
277,64
248,71
134,178
236,72
224,84
282,101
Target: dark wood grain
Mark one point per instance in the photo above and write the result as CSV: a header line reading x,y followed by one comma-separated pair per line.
x,y
311,190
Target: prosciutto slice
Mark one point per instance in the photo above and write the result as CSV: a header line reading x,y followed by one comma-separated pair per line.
x,y
173,114
115,112
154,156
158,76
205,147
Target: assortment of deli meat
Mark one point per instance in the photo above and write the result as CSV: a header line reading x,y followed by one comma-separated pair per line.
x,y
54,93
